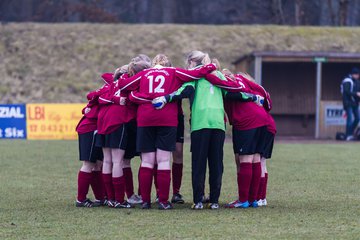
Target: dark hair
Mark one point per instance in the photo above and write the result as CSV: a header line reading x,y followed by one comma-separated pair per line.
x,y
355,70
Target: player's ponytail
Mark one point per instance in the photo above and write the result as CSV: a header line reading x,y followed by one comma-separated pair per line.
x,y
216,62
206,59
198,57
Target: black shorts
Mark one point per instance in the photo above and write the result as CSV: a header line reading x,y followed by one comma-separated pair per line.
x,y
180,129
268,144
248,142
131,129
151,138
87,149
115,139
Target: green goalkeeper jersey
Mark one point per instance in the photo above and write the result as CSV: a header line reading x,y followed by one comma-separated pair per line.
x,y
207,110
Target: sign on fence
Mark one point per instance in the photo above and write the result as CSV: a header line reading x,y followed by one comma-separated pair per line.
x,y
12,121
52,121
335,115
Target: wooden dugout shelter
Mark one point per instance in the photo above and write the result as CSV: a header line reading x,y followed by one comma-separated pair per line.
x,y
304,88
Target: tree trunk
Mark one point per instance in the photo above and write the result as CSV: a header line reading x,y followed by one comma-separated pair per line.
x,y
278,11
343,12
332,13
298,12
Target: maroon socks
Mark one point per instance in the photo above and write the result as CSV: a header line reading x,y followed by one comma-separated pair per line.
x,y
177,170
109,188
265,186
155,179
244,181
255,182
119,188
261,189
84,180
129,184
146,176
97,185
163,179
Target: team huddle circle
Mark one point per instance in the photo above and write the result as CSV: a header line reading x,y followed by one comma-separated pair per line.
x,y
138,112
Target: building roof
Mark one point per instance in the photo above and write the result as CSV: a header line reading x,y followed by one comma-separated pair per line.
x,y
299,55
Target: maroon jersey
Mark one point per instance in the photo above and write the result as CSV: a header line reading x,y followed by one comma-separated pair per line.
x,y
245,115
271,126
113,112
258,89
156,82
88,122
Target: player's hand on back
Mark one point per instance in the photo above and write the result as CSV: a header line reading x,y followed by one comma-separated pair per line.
x,y
87,110
259,100
159,102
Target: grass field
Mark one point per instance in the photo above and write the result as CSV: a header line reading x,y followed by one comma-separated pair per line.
x,y
314,193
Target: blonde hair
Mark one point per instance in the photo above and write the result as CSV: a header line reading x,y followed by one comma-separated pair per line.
x,y
135,67
161,59
247,76
216,62
228,73
198,57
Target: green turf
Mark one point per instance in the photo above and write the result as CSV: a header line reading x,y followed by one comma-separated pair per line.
x,y
314,193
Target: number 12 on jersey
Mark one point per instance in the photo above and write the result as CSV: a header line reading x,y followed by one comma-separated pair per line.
x,y
158,79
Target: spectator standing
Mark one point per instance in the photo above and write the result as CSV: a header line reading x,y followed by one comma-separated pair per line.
x,y
350,87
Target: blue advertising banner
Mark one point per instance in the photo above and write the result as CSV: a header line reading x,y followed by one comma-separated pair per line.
x,y
12,121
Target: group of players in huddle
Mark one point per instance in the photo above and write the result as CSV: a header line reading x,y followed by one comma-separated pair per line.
x,y
138,112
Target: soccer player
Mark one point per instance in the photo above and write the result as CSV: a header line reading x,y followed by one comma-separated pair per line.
x,y
268,148
90,155
131,128
156,137
249,122
207,133
113,117
208,128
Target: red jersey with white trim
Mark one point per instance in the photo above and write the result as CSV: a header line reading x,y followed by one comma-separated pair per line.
x,y
156,82
245,115
258,89
113,112
88,122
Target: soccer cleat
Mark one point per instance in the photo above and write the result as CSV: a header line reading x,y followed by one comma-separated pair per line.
x,y
212,206
165,206
86,203
99,203
197,206
254,204
260,203
124,204
177,198
264,202
135,199
237,204
111,203
146,205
